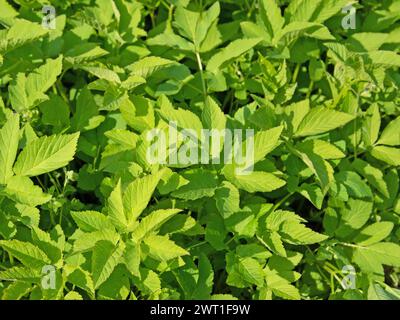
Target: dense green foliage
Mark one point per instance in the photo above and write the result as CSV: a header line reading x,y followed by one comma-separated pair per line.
x,y
78,193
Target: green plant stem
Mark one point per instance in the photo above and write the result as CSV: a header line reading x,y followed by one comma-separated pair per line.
x,y
296,73
277,205
310,88
203,82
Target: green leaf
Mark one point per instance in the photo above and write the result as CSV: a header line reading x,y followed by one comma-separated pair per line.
x,y
41,80
391,134
387,154
184,119
354,217
148,66
280,286
322,148
296,233
377,291
152,222
116,210
202,183
251,271
256,181
227,199
21,189
90,221
28,91
46,154
383,58
86,241
86,109
16,290
273,242
131,257
265,141
138,194
271,16
372,124
374,176
106,257
204,285
25,274
374,233
371,258
80,278
26,252
9,137
212,116
320,167
320,120
234,50
22,32
163,249
194,25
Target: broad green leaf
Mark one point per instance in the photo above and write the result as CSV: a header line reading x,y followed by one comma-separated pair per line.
x,y
89,221
371,258
387,154
271,16
322,148
16,290
22,190
80,278
234,50
86,241
138,194
184,119
296,233
320,167
313,193
86,109
374,176
8,11
204,285
256,181
280,286
73,295
152,222
251,271
354,217
273,241
131,257
227,198
295,113
26,252
9,137
106,257
382,292
391,134
147,66
25,274
163,249
41,80
101,73
202,183
23,32
212,116
374,233
372,124
265,141
320,120
383,58
116,210
46,154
